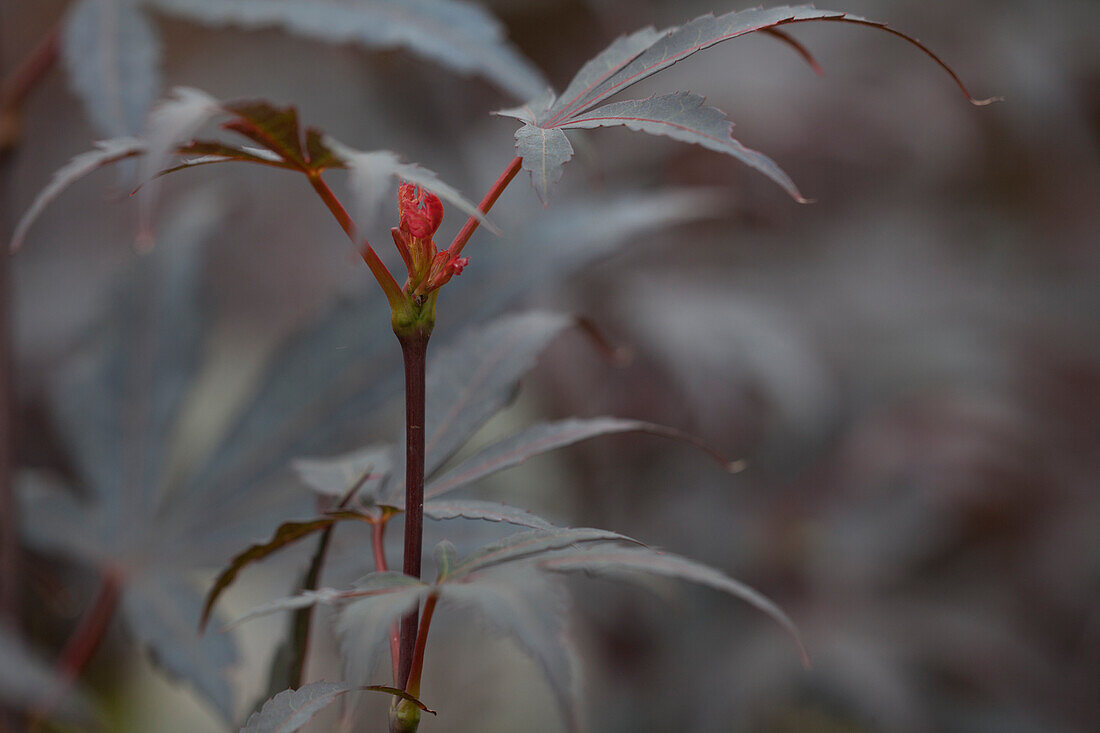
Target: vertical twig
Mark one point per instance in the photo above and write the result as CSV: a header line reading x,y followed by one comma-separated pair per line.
x,y
414,347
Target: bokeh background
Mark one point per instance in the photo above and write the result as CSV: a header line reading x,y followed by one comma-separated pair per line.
x,y
910,366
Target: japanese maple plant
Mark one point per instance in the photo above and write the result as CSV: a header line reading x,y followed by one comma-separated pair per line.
x,y
389,610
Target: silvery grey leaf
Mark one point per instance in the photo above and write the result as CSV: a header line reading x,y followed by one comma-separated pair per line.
x,y
112,54
459,35
54,521
364,625
291,709
529,545
623,563
539,439
703,32
370,175
337,475
105,153
473,378
162,613
621,52
533,111
489,511
171,121
544,152
531,611
116,401
683,116
371,585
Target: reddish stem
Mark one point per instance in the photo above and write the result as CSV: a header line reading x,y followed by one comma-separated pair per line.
x,y
491,197
23,78
413,686
378,531
414,347
378,268
84,640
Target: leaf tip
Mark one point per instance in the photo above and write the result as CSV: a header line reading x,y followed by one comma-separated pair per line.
x,y
736,466
985,102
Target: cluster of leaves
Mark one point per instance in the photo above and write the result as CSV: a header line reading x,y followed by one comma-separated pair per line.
x,y
149,527
112,50
118,406
542,142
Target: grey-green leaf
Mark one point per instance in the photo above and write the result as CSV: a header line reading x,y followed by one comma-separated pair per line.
x,y
542,438
489,511
116,402
52,520
703,32
544,151
532,611
630,561
336,476
446,557
683,116
163,614
364,627
477,375
459,35
621,52
529,545
105,153
291,709
112,54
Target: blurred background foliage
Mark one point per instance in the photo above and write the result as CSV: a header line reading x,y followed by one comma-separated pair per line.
x,y
909,366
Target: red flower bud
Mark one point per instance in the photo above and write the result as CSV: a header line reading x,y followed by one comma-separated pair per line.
x,y
421,211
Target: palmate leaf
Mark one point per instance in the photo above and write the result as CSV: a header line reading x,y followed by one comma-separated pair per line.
x,y
287,533
112,54
545,437
525,545
289,710
459,35
627,563
489,511
105,153
532,611
683,116
162,613
471,380
116,405
337,475
630,59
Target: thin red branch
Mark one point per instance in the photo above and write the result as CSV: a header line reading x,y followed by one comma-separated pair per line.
x,y
377,532
84,640
413,686
22,79
18,83
491,197
378,268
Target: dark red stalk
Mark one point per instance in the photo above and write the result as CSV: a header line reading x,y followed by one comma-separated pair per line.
x,y
378,268
413,685
21,80
491,197
9,539
414,347
84,640
377,532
